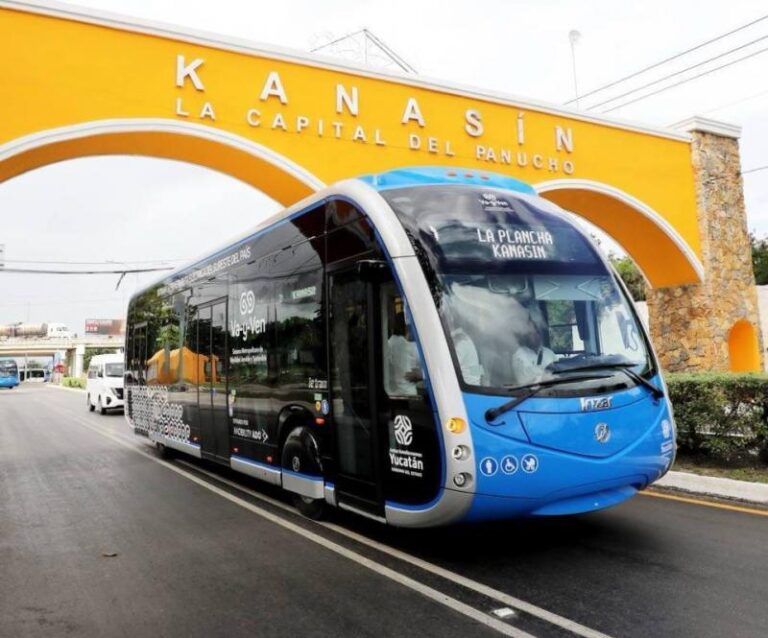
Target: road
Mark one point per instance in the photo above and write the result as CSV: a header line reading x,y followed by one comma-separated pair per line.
x,y
100,537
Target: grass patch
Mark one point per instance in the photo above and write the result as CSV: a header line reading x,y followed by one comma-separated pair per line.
x,y
754,472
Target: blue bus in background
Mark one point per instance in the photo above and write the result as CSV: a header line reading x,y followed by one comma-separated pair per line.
x,y
9,373
422,347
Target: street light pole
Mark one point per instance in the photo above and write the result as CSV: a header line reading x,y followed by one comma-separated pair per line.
x,y
574,36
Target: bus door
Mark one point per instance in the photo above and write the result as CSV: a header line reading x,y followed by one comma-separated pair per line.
x,y
353,362
212,391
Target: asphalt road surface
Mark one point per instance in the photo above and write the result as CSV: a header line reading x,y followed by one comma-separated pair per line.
x,y
100,537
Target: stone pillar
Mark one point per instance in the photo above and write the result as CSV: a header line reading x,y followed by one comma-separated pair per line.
x,y
691,325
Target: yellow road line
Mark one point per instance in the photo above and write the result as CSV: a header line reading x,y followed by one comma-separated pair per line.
x,y
697,501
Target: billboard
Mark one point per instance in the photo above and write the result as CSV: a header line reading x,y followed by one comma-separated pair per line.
x,y
110,327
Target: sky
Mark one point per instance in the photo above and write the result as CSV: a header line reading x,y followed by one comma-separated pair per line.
x,y
131,209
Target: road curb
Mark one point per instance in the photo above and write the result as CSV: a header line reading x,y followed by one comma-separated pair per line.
x,y
731,489
61,387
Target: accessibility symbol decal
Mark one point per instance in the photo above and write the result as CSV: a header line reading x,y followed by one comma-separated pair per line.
x,y
530,463
488,466
509,464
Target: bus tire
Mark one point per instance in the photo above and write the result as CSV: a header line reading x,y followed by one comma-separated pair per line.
x,y
313,508
91,407
163,451
301,454
102,409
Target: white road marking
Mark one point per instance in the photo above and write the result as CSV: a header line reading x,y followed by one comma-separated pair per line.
x,y
480,588
429,592
473,585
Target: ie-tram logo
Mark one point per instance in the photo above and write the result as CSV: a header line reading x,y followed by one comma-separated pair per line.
x,y
403,430
596,403
602,433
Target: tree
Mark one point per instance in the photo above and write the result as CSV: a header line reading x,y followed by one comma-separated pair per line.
x,y
759,259
631,276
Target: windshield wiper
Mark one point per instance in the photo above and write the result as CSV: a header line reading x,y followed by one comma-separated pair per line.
x,y
491,414
603,364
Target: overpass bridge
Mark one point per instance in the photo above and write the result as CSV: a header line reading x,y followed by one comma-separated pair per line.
x,y
72,349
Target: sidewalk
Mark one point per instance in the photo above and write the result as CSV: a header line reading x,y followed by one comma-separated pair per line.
x,y
714,486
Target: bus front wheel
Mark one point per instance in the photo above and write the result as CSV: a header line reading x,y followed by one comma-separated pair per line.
x,y
91,407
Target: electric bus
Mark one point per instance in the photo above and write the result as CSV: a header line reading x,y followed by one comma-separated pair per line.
x,y
422,347
9,373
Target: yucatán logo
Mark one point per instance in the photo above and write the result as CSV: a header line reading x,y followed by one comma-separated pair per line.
x,y
403,430
602,433
596,403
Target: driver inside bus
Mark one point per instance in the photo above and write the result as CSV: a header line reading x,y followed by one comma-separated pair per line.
x,y
403,366
530,360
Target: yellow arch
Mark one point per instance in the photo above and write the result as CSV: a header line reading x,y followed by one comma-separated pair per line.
x,y
743,348
661,253
254,164
286,122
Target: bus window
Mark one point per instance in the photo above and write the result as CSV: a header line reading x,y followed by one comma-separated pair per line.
x,y
402,370
353,239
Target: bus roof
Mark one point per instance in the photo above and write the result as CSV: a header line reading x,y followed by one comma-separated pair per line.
x,y
435,175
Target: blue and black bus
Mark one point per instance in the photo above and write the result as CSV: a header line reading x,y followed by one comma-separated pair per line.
x,y
422,347
9,373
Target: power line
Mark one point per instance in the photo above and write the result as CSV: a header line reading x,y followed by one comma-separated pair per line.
x,y
685,81
669,59
676,73
754,170
736,102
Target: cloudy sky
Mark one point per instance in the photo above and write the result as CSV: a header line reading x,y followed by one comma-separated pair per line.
x,y
144,210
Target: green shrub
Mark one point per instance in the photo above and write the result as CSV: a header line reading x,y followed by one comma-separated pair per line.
x,y
73,382
722,415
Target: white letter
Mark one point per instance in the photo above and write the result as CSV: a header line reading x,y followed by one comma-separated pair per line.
x,y
302,122
564,138
412,112
474,125
520,129
188,71
378,139
254,117
479,152
359,135
179,109
279,122
273,87
343,99
207,111
414,142
568,167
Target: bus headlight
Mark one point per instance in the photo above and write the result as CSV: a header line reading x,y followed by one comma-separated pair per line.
x,y
456,425
462,479
460,452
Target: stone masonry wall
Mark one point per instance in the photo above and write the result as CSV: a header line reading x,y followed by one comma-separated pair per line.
x,y
690,324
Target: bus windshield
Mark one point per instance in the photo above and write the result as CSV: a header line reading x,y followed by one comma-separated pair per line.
x,y
8,368
522,294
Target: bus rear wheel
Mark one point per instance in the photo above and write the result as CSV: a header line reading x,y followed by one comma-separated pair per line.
x,y
91,407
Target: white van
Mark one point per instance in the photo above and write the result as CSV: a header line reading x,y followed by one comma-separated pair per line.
x,y
104,388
